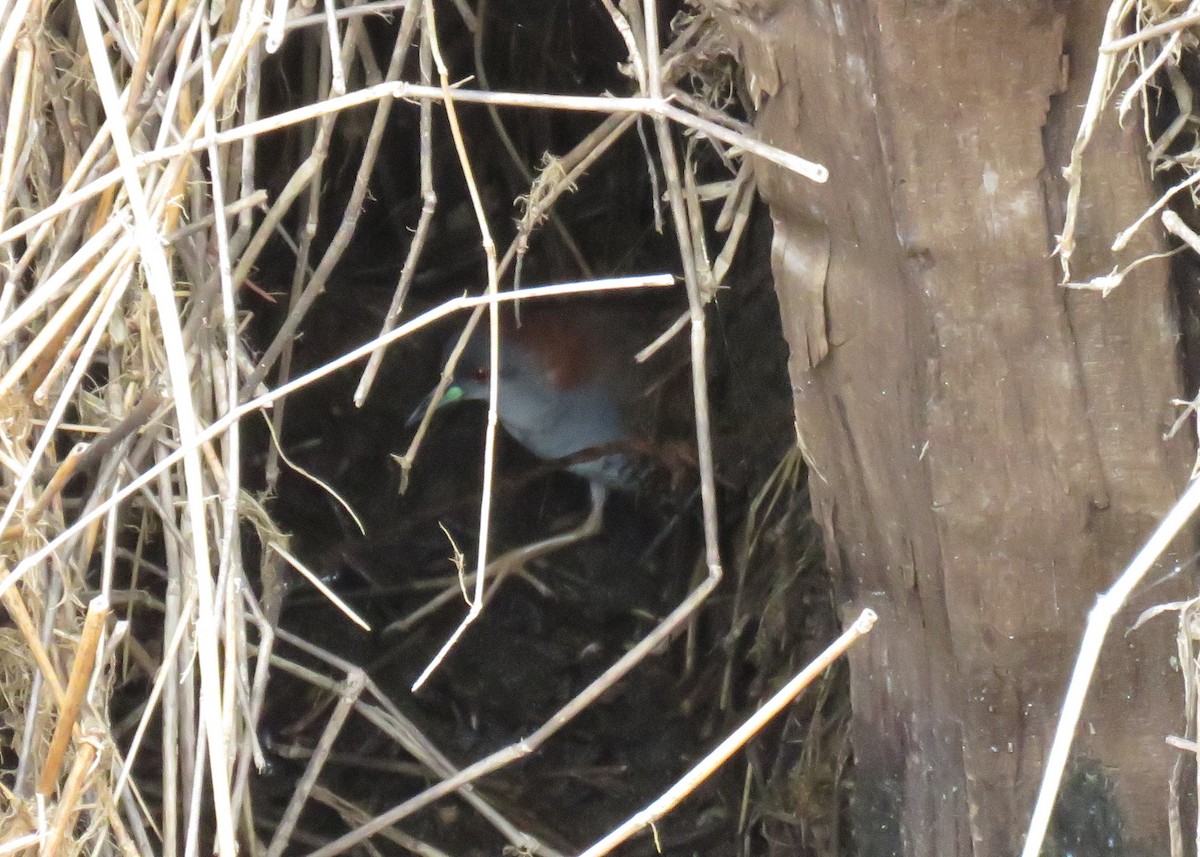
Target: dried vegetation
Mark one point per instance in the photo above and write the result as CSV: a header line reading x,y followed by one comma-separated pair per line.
x,y
184,188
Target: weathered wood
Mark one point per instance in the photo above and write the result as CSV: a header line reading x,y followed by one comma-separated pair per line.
x,y
986,446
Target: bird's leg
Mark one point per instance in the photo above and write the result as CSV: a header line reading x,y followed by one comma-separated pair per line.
x,y
514,560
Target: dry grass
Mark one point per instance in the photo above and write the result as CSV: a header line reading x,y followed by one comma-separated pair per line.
x,y
132,219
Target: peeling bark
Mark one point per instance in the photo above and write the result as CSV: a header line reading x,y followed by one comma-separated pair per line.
x,y
986,446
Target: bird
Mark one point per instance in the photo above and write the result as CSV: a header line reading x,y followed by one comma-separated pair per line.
x,y
571,392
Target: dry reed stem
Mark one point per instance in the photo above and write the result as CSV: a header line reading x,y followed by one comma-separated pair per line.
x,y
62,475
228,553
1174,224
349,220
354,815
392,723
428,205
1137,90
1099,620
63,320
348,694
19,613
19,843
16,120
80,771
699,362
345,609
22,13
302,294
77,685
76,350
705,768
493,289
1146,34
63,277
511,562
1097,96
1185,640
408,91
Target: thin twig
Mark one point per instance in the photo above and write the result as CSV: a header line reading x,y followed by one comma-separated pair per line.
x,y
1097,95
493,289
355,815
514,752
348,696
264,400
389,720
345,228
16,121
704,454
428,198
409,91
1166,28
1099,620
341,605
705,768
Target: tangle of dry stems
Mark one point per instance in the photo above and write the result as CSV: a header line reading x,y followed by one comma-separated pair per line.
x,y
130,217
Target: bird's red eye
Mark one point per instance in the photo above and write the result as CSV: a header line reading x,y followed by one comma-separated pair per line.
x,y
480,373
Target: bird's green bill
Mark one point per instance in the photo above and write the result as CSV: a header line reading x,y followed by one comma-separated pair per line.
x,y
453,394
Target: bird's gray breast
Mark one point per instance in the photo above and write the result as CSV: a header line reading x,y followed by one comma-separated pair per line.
x,y
561,424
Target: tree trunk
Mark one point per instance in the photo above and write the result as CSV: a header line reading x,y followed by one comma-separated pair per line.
x,y
986,447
